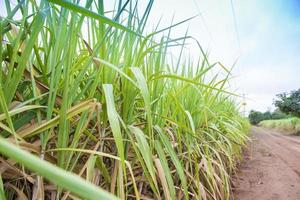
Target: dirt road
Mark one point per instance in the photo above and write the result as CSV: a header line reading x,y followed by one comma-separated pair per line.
x,y
271,168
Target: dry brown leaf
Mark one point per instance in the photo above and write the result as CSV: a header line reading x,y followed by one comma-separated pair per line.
x,y
162,177
21,195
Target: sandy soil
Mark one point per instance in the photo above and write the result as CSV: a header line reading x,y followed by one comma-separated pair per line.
x,y
270,169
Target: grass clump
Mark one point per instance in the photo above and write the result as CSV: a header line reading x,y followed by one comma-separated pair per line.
x,y
286,126
98,97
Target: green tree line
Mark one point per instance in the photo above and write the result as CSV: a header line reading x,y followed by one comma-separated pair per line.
x,y
287,105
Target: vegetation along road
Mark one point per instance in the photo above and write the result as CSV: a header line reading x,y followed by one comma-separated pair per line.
x,y
271,168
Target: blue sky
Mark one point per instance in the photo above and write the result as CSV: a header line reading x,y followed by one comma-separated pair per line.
x,y
268,48
270,42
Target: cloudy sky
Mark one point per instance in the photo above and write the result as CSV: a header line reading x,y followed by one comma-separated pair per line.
x,y
262,35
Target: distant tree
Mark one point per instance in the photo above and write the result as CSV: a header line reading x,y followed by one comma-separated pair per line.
x,y
267,115
277,114
289,103
255,117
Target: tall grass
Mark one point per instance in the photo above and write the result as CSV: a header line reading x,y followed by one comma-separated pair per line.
x,y
98,97
289,125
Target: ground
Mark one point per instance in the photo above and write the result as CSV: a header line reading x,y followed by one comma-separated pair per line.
x,y
270,169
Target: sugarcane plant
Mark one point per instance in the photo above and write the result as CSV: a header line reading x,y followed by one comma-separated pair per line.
x,y
93,106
